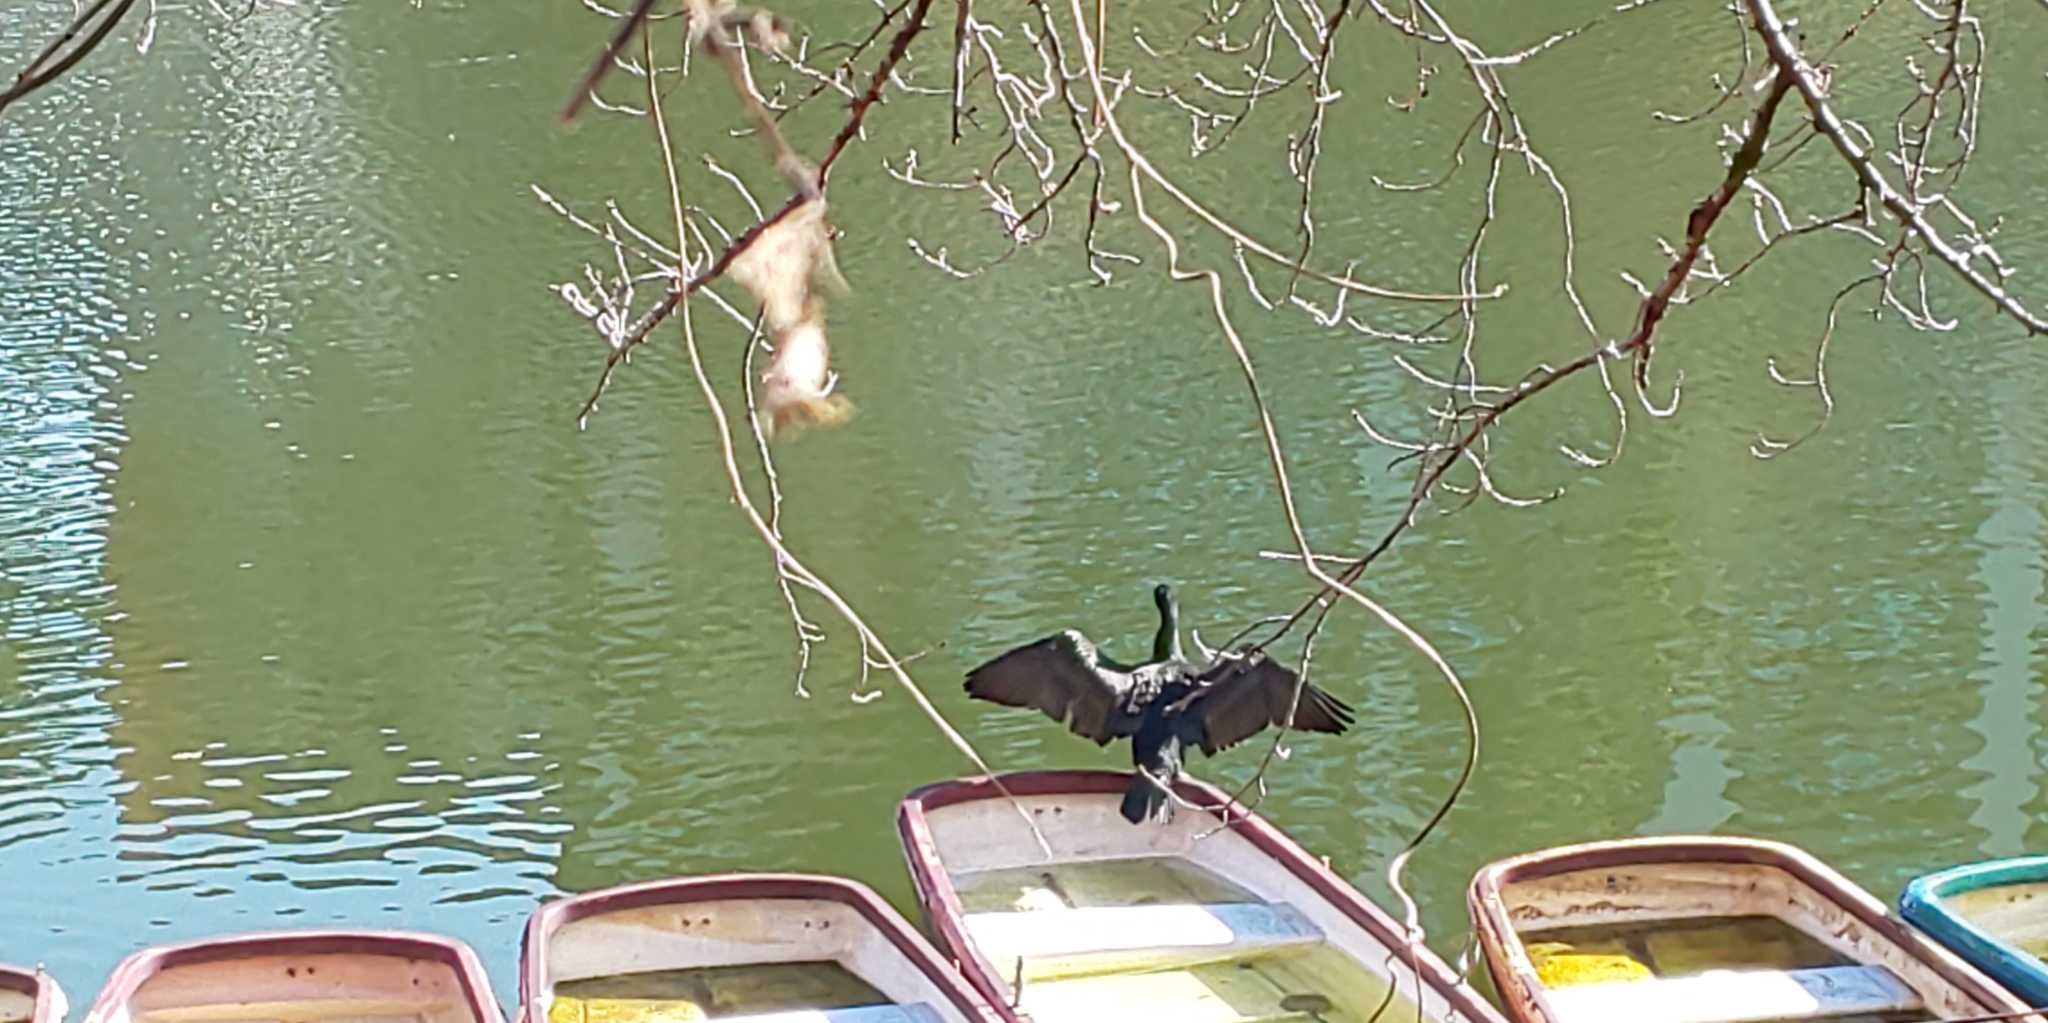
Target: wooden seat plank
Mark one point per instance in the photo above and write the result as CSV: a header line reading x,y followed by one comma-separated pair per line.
x,y
1738,996
851,1014
1074,942
308,1009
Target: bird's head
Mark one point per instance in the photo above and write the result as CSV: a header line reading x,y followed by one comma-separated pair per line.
x,y
1162,595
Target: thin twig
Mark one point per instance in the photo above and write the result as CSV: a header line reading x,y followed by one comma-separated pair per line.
x,y
1785,54
49,64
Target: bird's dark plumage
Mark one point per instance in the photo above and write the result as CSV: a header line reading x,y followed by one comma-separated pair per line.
x,y
1162,706
1067,678
1245,696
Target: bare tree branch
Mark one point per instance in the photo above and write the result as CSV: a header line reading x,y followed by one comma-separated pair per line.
x,y
64,51
1785,54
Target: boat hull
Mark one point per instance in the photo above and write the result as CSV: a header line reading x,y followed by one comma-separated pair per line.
x,y
1666,881
369,975
31,995
965,826
1934,903
736,920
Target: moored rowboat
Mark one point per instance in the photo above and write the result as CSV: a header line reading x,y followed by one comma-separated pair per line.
x,y
1994,915
301,977
764,948
1201,920
30,996
1708,930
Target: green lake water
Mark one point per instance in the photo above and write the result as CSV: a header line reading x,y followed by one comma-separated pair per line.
x,y
316,609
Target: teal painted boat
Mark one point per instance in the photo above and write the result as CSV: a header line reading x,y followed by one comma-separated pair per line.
x,y
1993,914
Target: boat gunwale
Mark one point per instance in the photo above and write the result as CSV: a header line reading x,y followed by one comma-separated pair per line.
x,y
1522,994
944,914
45,996
1928,896
761,887
128,977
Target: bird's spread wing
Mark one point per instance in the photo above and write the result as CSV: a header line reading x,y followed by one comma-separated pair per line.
x,y
1245,695
1063,676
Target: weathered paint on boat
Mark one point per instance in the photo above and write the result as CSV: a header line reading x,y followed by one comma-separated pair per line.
x,y
1941,905
740,919
30,995
1681,878
954,829
303,976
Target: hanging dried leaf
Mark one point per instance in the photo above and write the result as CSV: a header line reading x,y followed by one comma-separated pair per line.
x,y
797,389
778,268
783,271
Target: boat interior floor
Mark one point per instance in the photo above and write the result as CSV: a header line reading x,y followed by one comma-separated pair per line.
x,y
2016,914
803,992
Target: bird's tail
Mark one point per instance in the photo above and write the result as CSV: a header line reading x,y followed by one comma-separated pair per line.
x,y
1145,800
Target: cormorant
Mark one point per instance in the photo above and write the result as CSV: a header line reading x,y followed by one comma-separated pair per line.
x,y
1162,705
